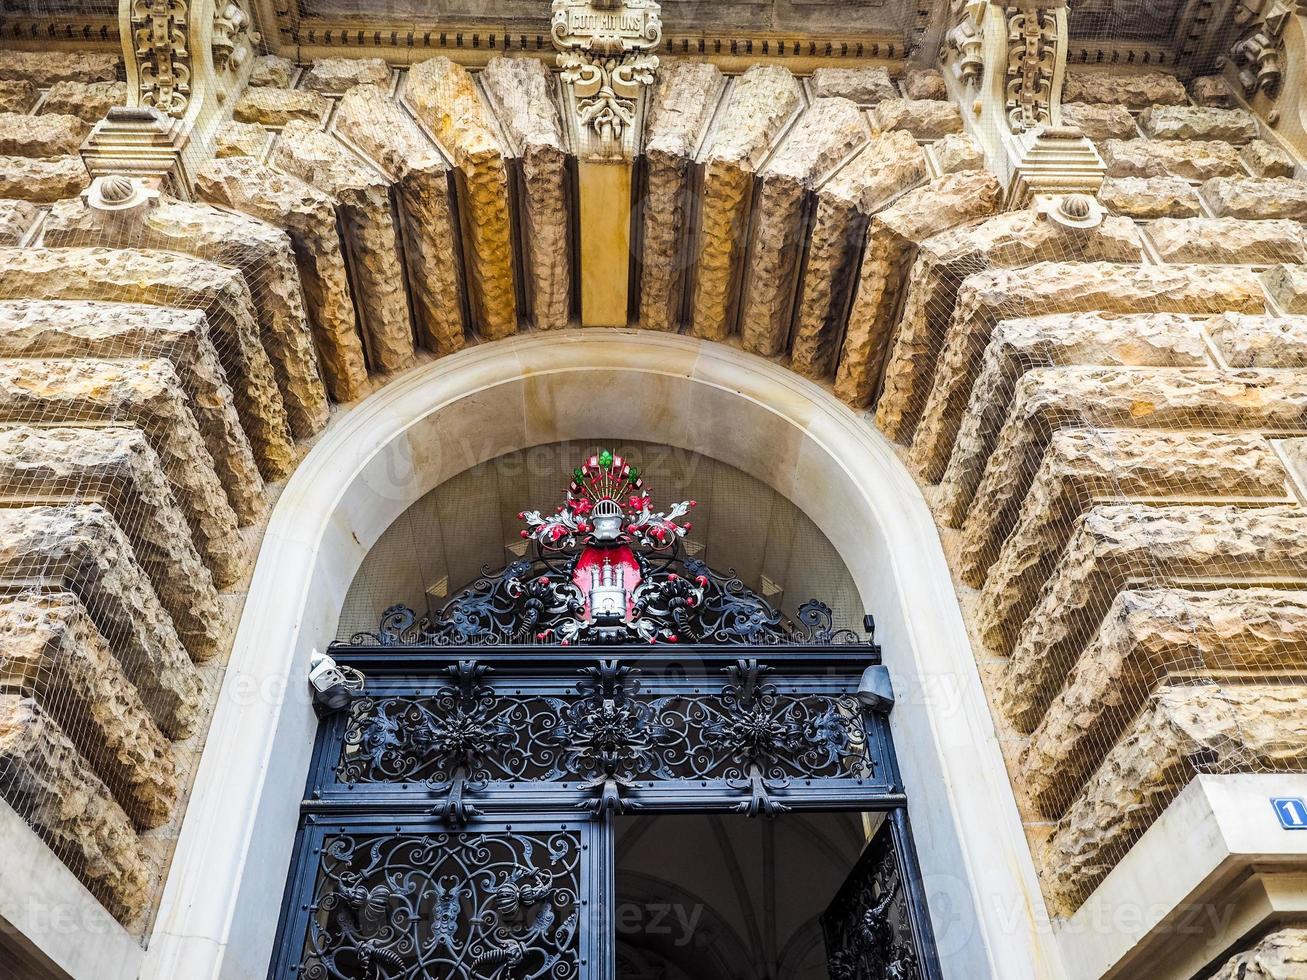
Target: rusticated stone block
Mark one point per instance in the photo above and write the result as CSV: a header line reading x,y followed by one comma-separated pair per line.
x,y
1211,90
45,778
1287,285
42,181
1191,159
271,71
823,137
167,279
1150,197
521,90
1279,955
1119,340
1256,197
986,297
79,548
48,67
261,252
1146,634
88,101
1183,731
387,134
444,98
16,217
146,393
1048,399
1118,544
761,101
115,466
309,216
336,75
277,106
18,95
926,119
1227,240
889,165
684,98
51,652
1083,467
957,152
54,328
865,86
892,239
1115,87
1267,160
41,136
237,139
315,157
1100,122
924,83
1252,341
1187,122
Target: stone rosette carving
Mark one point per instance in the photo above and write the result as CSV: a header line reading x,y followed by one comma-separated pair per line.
x,y
604,59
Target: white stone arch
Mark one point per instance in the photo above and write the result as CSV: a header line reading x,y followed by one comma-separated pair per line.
x,y
223,897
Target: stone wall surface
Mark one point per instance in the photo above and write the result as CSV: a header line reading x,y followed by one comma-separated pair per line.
x,y
1279,955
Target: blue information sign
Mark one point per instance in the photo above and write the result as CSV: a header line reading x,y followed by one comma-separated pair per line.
x,y
1292,812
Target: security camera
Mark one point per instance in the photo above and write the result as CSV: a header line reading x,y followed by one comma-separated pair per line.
x,y
333,686
875,690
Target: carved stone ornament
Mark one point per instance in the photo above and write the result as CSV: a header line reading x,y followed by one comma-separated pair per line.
x,y
1258,55
233,36
160,30
1032,60
603,50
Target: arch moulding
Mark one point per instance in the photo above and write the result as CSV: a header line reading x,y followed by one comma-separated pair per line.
x,y
221,904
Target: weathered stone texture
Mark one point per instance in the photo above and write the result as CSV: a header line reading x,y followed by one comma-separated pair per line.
x,y
957,152
892,239
824,136
381,129
16,217
1279,955
1231,728
115,466
79,548
865,86
1187,122
336,75
238,139
271,71
1146,634
926,119
261,252
520,88
444,98
1115,87
1048,399
1083,467
45,778
88,101
277,106
1227,240
1287,285
1100,122
1267,160
310,218
1191,159
986,297
924,83
48,67
684,98
1151,197
41,136
1256,197
18,95
890,164
1252,341
1211,90
147,393
1138,339
42,180
51,652
167,279
761,101
318,159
